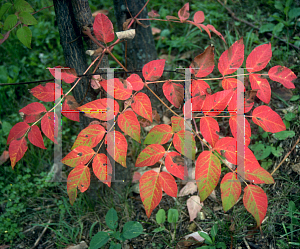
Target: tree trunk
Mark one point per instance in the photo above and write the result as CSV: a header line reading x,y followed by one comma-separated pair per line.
x,y
141,49
71,16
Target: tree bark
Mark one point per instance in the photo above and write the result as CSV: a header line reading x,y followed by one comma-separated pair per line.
x,y
71,16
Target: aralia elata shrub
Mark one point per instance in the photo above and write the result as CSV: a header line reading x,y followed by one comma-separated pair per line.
x,y
209,105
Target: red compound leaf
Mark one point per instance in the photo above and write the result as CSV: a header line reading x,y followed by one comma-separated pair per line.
x,y
183,13
103,28
232,58
79,177
259,58
80,155
17,149
174,93
150,190
48,93
150,155
35,137
153,70
32,112
283,75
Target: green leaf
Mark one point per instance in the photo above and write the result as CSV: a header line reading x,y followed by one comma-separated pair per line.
x,y
279,6
172,215
10,22
266,164
282,135
6,127
221,245
295,98
261,152
161,216
4,8
159,229
115,246
205,236
289,116
99,240
22,5
295,12
266,27
111,219
132,229
278,28
1,36
117,235
214,231
287,124
277,152
24,34
27,18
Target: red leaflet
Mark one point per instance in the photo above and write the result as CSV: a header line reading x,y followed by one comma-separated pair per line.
x,y
47,93
183,13
232,58
226,146
175,164
90,136
209,128
78,177
32,112
47,125
199,17
256,202
203,64
159,134
67,75
207,173
35,137
212,28
69,108
99,109
150,155
259,58
103,28
80,155
18,130
102,168
174,93
142,106
136,82
177,124
217,102
252,171
202,26
229,83
267,119
184,143
17,149
119,144
153,70
230,190
263,87
168,184
150,190
120,91
283,75
130,125
241,128
199,87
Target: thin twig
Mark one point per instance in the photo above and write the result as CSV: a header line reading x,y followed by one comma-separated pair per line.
x,y
41,235
253,26
286,156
